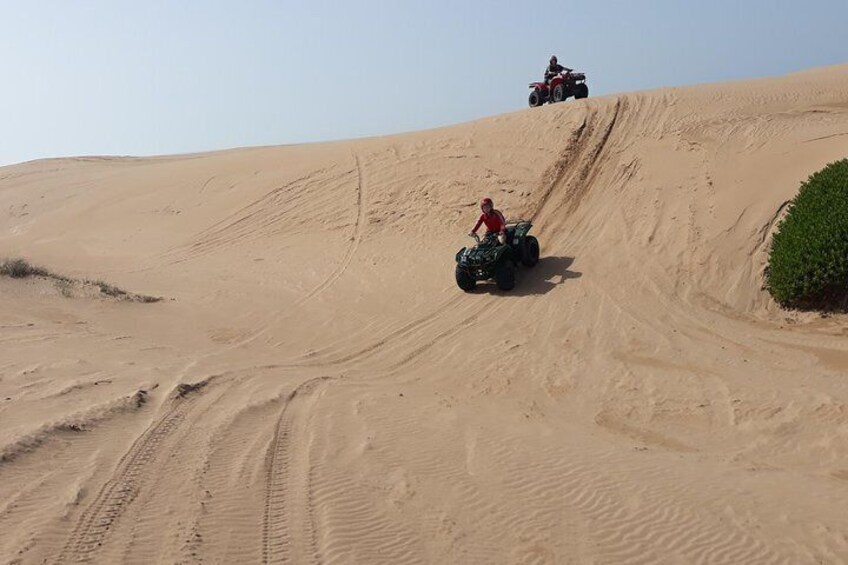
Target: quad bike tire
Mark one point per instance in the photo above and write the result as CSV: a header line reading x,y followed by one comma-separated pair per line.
x,y
505,276
559,93
463,280
529,251
581,91
535,99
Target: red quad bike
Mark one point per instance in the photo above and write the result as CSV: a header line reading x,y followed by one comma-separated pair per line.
x,y
565,84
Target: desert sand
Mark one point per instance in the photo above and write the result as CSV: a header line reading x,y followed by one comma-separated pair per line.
x,y
314,388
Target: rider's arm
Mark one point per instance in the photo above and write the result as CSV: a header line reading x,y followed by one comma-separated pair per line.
x,y
477,226
503,221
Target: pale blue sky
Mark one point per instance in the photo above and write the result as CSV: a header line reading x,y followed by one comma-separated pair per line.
x,y
149,77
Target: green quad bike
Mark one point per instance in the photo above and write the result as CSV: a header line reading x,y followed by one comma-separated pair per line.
x,y
491,260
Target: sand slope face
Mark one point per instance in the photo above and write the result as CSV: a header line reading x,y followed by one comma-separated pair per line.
x,y
315,389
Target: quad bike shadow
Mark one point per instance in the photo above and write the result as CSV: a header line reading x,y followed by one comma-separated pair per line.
x,y
549,273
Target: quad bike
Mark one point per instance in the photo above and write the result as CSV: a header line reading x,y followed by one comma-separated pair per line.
x,y
565,84
488,259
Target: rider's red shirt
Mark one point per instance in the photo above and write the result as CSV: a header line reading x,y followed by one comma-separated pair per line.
x,y
494,221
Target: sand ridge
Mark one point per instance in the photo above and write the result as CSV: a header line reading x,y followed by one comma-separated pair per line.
x,y
317,390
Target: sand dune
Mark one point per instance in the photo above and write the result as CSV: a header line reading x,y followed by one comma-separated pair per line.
x,y
315,389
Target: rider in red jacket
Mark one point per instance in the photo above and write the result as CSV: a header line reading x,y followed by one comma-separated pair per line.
x,y
494,220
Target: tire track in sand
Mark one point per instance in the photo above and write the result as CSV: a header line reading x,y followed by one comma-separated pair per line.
x,y
337,273
126,482
355,238
572,174
289,531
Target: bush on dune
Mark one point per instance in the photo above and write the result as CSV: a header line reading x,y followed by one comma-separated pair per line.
x,y
20,269
808,262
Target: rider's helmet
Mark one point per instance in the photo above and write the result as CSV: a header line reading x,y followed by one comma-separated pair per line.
x,y
487,202
553,59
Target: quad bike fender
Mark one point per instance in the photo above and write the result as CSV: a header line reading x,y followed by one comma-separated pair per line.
x,y
459,254
521,229
517,230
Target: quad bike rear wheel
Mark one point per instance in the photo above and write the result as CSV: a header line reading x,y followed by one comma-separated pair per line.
x,y
463,280
581,91
530,251
505,276
559,93
536,98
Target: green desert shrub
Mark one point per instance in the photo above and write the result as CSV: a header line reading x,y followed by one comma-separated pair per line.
x,y
19,269
808,262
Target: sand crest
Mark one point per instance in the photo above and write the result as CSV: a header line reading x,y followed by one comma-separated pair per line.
x,y
315,389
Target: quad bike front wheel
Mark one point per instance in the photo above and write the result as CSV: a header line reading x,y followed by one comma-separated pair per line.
x,y
530,251
536,99
559,93
464,280
581,91
505,276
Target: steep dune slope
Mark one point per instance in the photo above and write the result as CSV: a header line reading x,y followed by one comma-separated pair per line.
x,y
316,389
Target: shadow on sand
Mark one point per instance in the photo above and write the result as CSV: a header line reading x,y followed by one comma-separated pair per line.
x,y
548,273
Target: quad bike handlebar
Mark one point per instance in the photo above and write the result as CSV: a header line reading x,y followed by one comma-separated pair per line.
x,y
489,235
